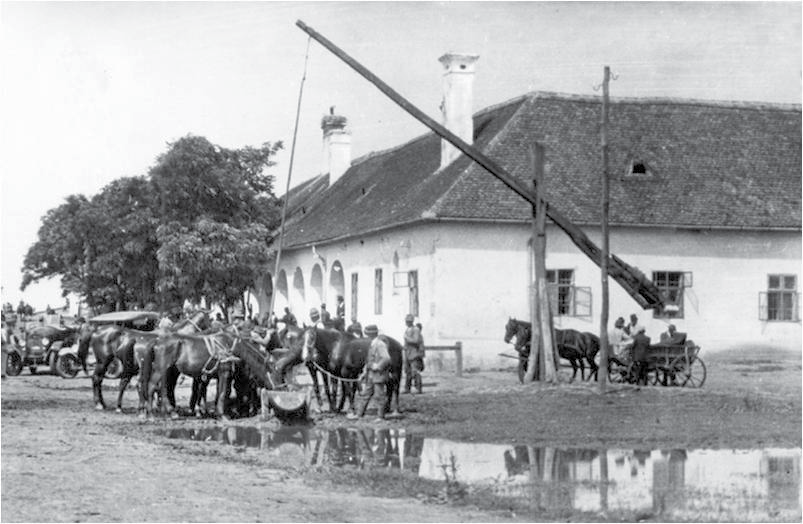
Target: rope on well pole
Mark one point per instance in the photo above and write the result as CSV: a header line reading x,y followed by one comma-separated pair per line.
x,y
289,177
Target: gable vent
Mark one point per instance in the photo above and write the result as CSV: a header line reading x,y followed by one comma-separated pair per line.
x,y
638,169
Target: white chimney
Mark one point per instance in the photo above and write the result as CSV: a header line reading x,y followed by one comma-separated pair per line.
x,y
458,98
336,146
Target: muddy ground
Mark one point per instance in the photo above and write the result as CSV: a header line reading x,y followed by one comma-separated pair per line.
x,y
64,461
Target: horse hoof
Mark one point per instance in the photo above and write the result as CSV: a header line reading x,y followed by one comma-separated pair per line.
x,y
174,415
99,407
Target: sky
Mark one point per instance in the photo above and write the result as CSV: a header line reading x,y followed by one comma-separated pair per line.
x,y
95,91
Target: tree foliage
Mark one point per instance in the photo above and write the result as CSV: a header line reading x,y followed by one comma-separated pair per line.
x,y
198,225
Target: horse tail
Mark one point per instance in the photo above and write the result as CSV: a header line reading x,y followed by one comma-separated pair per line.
x,y
146,366
83,351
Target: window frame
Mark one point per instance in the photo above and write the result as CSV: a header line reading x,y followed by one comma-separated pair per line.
x,y
664,279
786,307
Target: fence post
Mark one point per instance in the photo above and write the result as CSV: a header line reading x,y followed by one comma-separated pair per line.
x,y
459,354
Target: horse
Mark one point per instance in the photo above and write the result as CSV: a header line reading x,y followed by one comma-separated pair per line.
x,y
110,341
573,345
341,356
173,354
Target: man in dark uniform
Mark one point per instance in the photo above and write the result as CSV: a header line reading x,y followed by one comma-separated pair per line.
x,y
641,348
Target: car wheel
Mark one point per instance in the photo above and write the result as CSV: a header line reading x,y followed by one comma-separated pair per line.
x,y
114,369
13,364
67,365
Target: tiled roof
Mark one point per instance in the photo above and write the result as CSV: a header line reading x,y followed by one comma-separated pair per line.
x,y
708,165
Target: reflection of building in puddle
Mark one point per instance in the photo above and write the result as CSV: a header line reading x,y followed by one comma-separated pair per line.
x,y
734,485
702,484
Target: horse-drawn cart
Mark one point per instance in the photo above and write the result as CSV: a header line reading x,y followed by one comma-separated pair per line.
x,y
667,365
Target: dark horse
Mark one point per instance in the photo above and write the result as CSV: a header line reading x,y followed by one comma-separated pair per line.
x,y
196,356
341,357
110,341
573,345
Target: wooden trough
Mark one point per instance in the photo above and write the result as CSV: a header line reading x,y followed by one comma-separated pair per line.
x,y
286,405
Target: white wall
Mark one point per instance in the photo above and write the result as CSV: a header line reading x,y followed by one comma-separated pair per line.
x,y
472,277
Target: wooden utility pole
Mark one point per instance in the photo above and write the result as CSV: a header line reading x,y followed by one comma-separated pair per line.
x,y
535,364
542,319
602,374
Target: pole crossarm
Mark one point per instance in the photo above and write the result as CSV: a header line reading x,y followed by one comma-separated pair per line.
x,y
630,278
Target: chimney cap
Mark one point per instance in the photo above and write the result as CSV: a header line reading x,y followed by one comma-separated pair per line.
x,y
458,62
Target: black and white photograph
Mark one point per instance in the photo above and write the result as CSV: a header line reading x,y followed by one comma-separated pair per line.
x,y
374,261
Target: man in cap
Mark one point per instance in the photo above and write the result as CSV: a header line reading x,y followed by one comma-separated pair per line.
x,y
413,355
315,317
377,371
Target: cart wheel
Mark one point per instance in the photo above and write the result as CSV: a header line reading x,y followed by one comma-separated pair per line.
x,y
13,364
654,376
32,370
522,369
67,365
695,375
51,361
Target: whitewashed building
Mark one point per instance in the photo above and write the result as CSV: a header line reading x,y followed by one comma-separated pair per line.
x,y
705,201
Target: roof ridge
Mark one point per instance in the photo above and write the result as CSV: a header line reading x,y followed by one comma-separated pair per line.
x,y
734,104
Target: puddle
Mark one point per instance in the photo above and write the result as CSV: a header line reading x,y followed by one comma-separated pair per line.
x,y
694,484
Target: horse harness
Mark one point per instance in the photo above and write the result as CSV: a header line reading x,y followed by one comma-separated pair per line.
x,y
216,349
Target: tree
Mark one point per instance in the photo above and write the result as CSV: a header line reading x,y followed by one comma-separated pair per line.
x,y
197,226
217,210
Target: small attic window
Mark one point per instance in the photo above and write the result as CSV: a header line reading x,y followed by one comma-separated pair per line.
x,y
638,168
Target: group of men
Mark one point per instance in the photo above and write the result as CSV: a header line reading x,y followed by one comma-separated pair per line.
x,y
376,374
629,342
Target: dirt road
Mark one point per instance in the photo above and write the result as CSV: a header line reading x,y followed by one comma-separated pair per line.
x,y
64,461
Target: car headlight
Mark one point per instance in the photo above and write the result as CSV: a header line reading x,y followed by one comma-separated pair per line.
x,y
45,341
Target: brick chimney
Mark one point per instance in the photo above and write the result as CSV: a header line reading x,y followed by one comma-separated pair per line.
x,y
336,146
458,98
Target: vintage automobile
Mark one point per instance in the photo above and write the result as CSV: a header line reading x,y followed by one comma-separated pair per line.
x,y
68,364
40,347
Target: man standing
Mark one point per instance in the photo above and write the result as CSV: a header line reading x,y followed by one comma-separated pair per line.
x,y
340,314
355,328
326,317
289,319
641,348
377,371
413,355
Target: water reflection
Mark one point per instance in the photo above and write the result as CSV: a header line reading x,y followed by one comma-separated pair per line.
x,y
734,485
